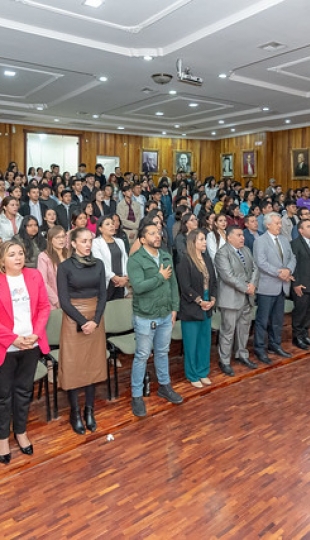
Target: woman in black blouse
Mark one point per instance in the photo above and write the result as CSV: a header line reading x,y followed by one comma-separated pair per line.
x,y
82,296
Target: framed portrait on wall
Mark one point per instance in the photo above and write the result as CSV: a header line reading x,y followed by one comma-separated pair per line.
x,y
149,161
300,163
249,163
109,163
182,161
227,165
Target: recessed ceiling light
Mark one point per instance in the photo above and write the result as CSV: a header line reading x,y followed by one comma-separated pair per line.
x,y
120,127
222,75
233,130
102,78
148,58
56,119
9,73
95,115
159,113
265,109
193,104
183,134
172,92
213,132
176,126
221,122
93,3
287,121
164,132
40,107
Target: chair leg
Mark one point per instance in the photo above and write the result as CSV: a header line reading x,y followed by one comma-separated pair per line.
x,y
40,389
55,389
47,400
109,379
115,376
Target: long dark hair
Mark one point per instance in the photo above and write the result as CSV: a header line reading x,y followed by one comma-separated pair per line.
x,y
53,255
27,240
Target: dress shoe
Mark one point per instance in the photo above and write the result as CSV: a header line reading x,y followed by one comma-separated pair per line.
x,y
166,391
90,419
76,422
28,450
279,351
5,459
300,343
228,370
306,339
247,362
197,384
206,381
262,357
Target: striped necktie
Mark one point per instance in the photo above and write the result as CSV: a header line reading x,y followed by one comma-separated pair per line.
x,y
279,248
241,256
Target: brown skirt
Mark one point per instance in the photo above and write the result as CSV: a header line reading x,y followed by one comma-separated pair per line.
x,y
82,358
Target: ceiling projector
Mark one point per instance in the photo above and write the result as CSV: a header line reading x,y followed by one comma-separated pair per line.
x,y
186,75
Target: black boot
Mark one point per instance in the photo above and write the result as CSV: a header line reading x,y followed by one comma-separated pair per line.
x,y
89,418
76,421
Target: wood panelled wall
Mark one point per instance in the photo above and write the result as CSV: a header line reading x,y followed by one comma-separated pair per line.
x,y
273,151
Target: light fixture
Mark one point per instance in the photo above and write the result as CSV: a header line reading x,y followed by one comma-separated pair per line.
x,y
147,58
93,3
162,78
221,122
102,78
159,113
120,127
213,132
183,134
287,121
56,119
176,126
9,73
95,115
193,105
265,109
164,132
40,107
222,76
233,130
172,92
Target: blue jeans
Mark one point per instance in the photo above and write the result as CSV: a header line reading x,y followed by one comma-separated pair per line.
x,y
147,338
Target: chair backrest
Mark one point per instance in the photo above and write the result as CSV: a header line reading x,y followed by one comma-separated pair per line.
x,y
118,317
54,326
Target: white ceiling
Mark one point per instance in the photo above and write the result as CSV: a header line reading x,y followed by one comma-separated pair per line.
x,y
59,48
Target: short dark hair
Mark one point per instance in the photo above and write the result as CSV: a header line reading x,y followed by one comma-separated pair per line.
x,y
89,175
31,187
143,229
289,202
264,203
82,165
300,223
303,189
300,211
231,228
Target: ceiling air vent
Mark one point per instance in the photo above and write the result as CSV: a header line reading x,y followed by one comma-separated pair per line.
x,y
272,46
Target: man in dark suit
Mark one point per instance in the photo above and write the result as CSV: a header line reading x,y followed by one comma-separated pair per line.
x,y
302,168
237,281
251,232
65,209
276,263
301,286
33,207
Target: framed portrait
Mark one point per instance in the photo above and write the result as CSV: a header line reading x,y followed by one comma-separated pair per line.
x,y
149,161
249,163
109,163
300,163
227,165
182,161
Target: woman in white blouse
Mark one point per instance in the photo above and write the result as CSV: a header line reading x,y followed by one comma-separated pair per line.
x,y
217,237
113,254
10,219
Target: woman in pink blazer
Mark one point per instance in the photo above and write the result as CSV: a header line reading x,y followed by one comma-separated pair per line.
x,y
24,312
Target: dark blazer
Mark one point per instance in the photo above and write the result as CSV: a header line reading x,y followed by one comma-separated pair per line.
x,y
191,286
249,239
62,216
302,253
25,209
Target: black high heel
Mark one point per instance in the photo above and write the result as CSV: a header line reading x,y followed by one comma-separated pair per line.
x,y
5,459
27,450
90,419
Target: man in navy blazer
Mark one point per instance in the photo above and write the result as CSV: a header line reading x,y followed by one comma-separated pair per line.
x,y
276,263
250,231
301,286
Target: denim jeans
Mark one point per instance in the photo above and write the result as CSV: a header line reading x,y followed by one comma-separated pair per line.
x,y
147,338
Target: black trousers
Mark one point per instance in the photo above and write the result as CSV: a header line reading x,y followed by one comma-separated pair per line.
x,y
301,315
16,385
268,321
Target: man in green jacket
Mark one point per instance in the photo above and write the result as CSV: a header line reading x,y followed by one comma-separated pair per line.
x,y
155,305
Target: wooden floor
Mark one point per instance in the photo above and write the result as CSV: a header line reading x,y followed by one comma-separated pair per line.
x,y
231,462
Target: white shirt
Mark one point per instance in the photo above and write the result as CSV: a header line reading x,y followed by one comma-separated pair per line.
x,y
21,308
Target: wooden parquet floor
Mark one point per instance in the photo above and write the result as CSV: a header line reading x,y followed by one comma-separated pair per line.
x,y
232,462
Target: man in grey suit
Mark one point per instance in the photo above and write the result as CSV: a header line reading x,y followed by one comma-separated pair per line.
x,y
276,263
237,281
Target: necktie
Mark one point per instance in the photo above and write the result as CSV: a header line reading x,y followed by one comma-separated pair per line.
x,y
279,248
241,256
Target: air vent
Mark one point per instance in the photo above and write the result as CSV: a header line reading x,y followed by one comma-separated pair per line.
x,y
272,46
147,90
